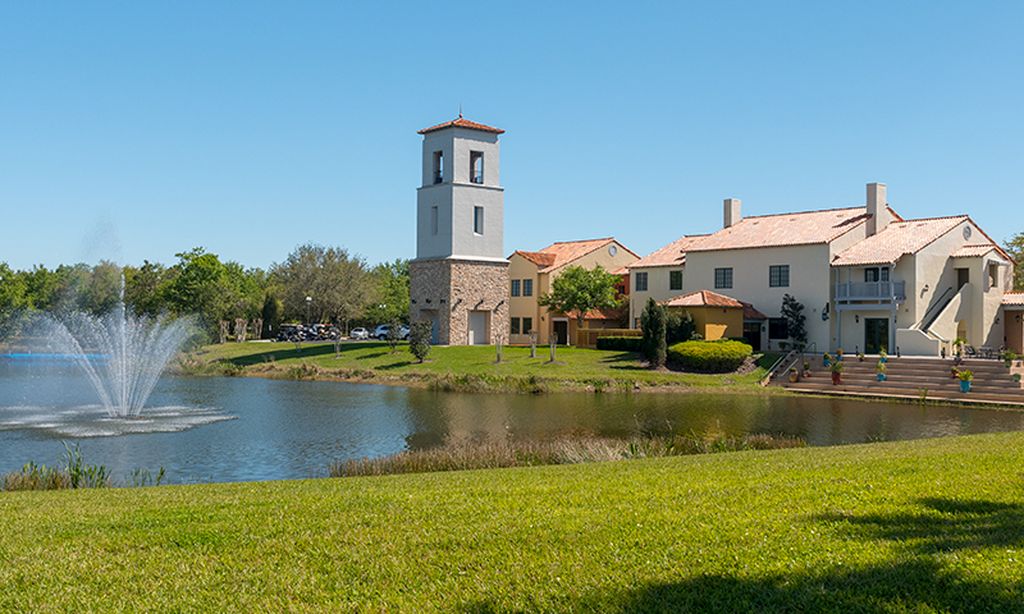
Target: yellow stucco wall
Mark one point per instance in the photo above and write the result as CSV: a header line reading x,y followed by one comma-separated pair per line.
x,y
715,322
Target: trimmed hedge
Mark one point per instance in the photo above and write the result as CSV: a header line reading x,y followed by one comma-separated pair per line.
x,y
620,344
723,356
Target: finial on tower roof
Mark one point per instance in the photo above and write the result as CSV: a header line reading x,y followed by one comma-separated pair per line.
x,y
460,110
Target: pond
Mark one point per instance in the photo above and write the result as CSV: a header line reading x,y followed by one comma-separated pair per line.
x,y
235,429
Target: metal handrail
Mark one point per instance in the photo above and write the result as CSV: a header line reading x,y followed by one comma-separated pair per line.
x,y
773,370
941,304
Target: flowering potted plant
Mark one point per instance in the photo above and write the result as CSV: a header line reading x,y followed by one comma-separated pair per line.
x,y
807,368
837,373
954,372
880,371
966,377
794,375
883,356
827,360
839,355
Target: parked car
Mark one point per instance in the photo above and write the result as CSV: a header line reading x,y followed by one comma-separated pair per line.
x,y
381,332
359,333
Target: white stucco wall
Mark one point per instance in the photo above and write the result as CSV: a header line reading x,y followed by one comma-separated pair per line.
x,y
657,288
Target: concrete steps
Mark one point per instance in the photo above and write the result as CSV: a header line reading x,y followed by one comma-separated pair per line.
x,y
911,378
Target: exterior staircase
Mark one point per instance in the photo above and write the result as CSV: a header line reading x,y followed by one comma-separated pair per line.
x,y
912,378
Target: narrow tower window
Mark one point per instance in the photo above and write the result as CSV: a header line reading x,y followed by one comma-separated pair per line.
x,y
476,167
433,220
478,220
438,166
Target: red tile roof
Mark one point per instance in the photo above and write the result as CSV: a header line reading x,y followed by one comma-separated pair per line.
x,y
461,122
1015,299
704,298
562,253
673,254
784,229
751,313
973,251
897,240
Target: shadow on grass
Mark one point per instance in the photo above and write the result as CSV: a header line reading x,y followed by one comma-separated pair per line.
x,y
915,579
307,351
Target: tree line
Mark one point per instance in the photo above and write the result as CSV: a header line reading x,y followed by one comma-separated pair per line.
x,y
343,289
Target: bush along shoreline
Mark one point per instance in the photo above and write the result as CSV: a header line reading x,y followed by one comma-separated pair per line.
x,y
567,451
74,473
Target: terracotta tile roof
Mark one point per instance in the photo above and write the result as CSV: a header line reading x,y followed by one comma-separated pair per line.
x,y
601,314
562,253
751,313
1015,299
461,122
673,254
539,258
897,240
703,298
973,251
803,228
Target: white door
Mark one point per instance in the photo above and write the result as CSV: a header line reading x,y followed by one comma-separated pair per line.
x,y
477,327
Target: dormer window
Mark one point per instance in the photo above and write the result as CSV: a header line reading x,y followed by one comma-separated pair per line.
x,y
476,167
438,166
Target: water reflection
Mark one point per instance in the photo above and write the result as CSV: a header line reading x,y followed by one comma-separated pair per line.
x,y
288,429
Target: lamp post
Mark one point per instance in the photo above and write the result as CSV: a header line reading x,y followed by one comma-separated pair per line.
x,y
309,303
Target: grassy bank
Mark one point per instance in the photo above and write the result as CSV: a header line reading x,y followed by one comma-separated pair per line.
x,y
931,525
457,368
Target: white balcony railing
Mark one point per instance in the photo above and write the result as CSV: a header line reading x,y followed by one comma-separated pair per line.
x,y
871,291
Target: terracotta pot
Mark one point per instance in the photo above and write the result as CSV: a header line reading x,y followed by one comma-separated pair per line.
x,y
837,378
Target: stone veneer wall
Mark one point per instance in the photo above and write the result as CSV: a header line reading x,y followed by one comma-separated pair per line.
x,y
452,288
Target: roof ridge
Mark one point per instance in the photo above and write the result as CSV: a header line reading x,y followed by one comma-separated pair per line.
x,y
584,240
747,217
960,216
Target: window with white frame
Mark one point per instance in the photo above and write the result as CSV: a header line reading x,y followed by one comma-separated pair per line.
x,y
778,276
640,281
478,220
723,278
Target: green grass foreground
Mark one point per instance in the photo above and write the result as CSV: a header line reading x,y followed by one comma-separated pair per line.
x,y
932,525
458,368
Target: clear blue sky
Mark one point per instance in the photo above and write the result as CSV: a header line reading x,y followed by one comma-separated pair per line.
x,y
136,130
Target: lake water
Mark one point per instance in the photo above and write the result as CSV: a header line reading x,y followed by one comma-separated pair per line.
x,y
234,429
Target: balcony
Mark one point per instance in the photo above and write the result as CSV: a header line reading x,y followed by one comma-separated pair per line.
x,y
890,291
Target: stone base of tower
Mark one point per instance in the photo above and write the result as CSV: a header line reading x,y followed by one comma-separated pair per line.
x,y
465,300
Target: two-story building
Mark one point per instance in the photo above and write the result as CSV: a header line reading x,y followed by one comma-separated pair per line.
x,y
532,273
868,279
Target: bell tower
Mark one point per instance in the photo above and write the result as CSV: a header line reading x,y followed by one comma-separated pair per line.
x,y
459,279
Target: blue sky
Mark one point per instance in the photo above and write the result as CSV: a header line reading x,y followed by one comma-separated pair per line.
x,y
137,130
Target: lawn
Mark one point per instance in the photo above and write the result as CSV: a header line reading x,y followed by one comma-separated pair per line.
x,y
931,525
461,367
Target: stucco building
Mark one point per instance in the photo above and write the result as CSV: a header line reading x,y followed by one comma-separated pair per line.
x,y
868,278
532,273
459,278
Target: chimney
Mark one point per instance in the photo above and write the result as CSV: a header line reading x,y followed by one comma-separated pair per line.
x,y
878,209
731,212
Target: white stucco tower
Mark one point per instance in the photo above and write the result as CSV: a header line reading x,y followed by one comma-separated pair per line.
x,y
459,278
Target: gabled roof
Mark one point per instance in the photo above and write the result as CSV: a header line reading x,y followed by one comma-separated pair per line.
x,y
784,229
974,251
673,254
751,313
897,240
461,122
562,253
703,298
1013,299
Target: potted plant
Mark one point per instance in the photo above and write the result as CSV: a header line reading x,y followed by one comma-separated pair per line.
x,y
954,372
839,355
837,373
1016,377
807,368
880,371
860,356
883,356
794,375
966,377
827,360
958,345
1009,357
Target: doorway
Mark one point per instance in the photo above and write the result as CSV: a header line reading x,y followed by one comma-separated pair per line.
x,y
752,333
561,331
876,335
477,328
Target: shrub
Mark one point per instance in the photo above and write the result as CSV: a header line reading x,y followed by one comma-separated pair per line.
x,y
419,339
652,321
721,356
679,327
620,344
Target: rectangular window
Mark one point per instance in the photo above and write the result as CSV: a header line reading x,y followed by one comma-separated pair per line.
x,y
438,166
527,326
515,287
873,274
527,287
476,167
778,276
778,328
884,273
993,276
433,220
478,220
723,278
641,282
515,326
675,280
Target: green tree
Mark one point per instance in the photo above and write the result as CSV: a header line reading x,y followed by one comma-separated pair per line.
x,y
337,283
14,301
419,339
199,286
1015,247
390,298
145,287
679,327
653,325
796,321
273,310
578,291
